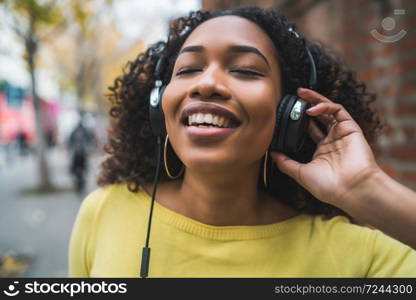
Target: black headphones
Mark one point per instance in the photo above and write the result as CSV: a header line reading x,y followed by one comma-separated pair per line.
x,y
288,137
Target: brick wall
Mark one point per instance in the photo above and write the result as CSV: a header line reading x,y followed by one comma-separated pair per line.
x,y
389,69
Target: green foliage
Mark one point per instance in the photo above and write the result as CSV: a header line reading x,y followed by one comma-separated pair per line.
x,y
83,12
33,13
41,17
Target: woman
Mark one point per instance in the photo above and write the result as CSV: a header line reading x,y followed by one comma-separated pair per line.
x,y
217,214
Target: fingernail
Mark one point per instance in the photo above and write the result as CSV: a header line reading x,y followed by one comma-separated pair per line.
x,y
311,109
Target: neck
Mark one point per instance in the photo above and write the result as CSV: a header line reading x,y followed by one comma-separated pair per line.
x,y
223,198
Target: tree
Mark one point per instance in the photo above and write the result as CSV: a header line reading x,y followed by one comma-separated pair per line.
x,y
83,55
33,21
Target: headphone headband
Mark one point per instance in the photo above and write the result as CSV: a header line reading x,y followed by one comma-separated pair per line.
x,y
158,68
312,69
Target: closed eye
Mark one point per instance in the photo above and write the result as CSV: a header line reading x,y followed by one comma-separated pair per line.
x,y
239,71
187,71
246,72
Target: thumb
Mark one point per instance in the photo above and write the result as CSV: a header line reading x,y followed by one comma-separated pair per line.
x,y
287,165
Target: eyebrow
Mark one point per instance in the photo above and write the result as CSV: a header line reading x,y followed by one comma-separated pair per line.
x,y
237,49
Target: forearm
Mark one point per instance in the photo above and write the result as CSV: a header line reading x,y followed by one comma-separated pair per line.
x,y
386,205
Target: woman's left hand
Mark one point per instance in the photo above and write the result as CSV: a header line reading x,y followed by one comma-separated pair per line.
x,y
342,160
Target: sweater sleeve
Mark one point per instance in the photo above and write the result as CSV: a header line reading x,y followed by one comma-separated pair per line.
x,y
390,258
82,236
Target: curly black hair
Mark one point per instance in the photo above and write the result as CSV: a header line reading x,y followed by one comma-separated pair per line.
x,y
132,145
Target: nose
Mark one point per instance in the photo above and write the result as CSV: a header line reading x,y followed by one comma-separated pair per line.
x,y
210,84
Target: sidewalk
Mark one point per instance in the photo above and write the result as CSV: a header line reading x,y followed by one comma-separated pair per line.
x,y
39,226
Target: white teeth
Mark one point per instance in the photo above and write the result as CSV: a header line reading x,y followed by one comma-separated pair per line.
x,y
208,118
198,119
215,120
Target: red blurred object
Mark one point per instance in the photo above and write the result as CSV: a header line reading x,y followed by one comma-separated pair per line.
x,y
15,121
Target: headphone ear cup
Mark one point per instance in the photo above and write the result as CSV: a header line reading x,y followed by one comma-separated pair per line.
x,y
162,115
289,133
157,118
291,125
297,126
282,116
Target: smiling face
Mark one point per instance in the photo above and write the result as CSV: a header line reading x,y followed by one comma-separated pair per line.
x,y
227,63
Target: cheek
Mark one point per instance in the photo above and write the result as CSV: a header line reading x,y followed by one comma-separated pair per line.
x,y
170,103
260,106
262,122
261,102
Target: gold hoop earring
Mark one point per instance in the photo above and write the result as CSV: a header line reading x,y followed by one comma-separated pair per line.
x,y
165,161
265,170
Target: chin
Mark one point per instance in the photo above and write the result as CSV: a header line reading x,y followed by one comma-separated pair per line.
x,y
210,162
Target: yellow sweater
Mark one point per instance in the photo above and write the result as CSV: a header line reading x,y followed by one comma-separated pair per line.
x,y
110,232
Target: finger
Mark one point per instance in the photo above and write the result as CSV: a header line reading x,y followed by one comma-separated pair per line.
x,y
329,121
287,165
326,120
312,96
315,133
339,113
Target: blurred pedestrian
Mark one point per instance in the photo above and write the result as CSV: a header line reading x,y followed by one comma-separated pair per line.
x,y
81,141
22,143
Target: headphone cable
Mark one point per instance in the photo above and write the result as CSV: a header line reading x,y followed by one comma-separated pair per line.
x,y
144,269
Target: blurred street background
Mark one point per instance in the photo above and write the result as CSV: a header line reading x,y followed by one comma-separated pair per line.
x,y
35,228
57,58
